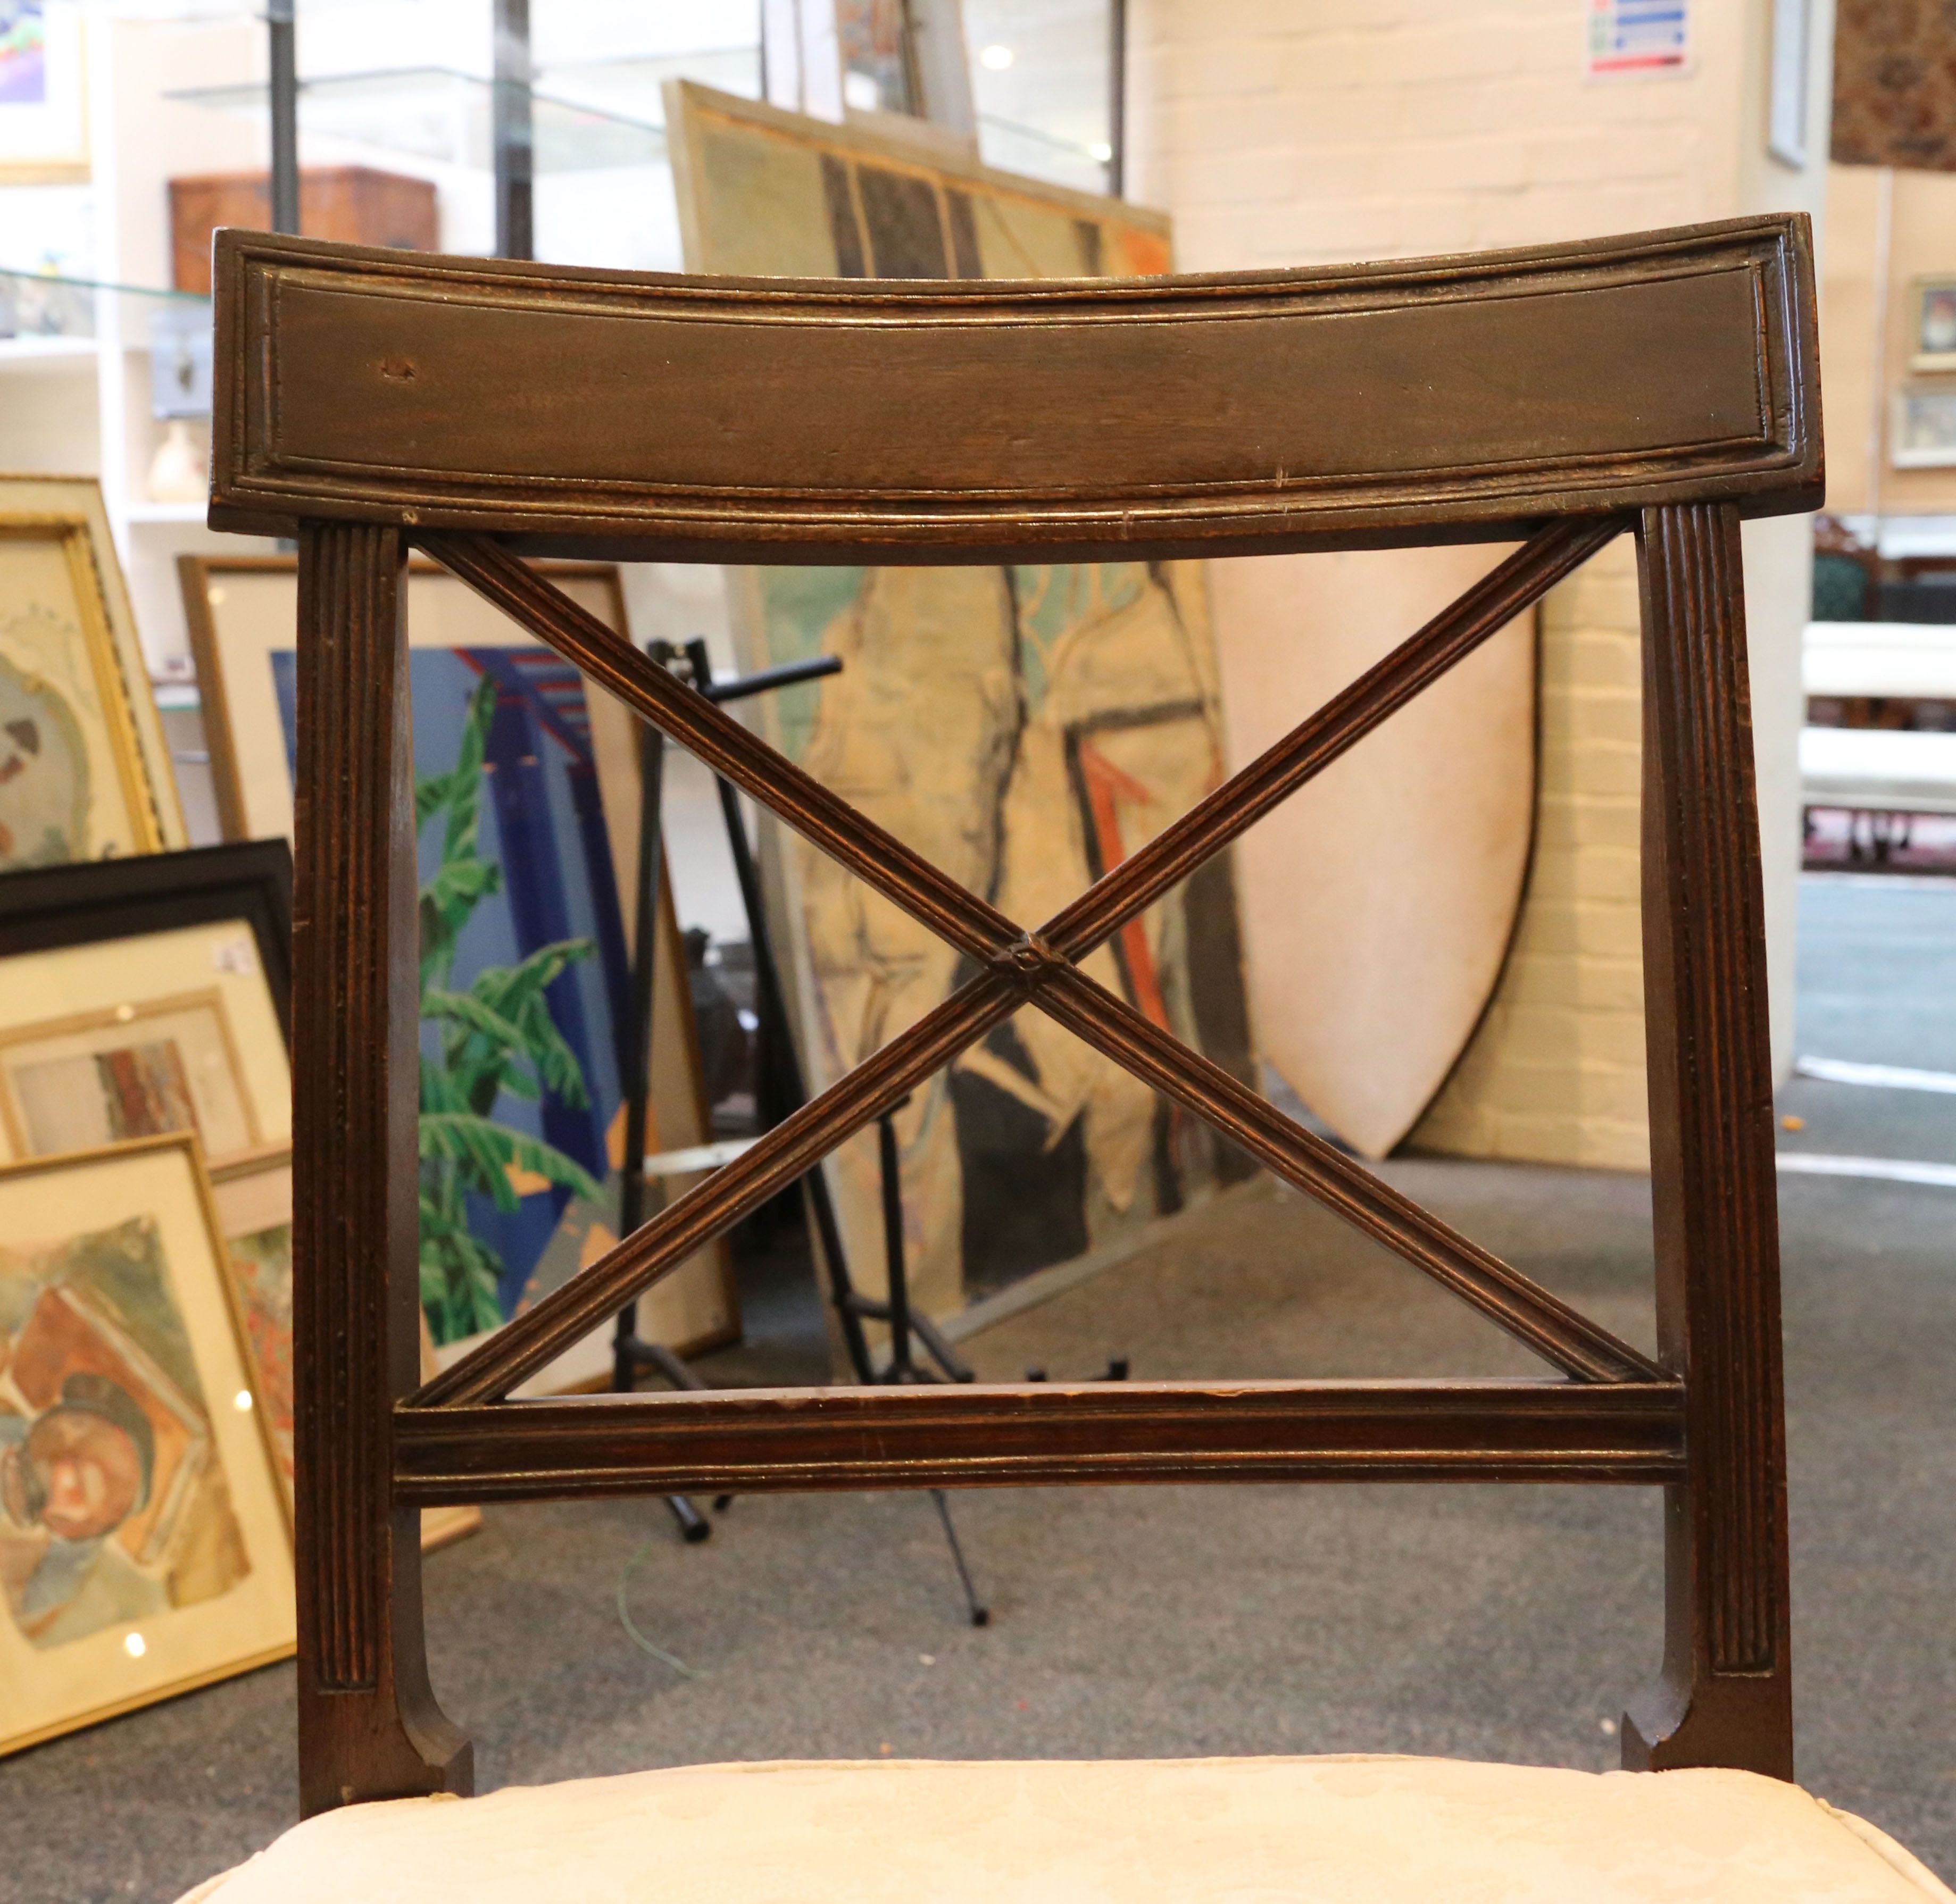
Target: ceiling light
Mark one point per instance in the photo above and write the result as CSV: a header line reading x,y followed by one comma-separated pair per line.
x,y
133,1645
1102,150
995,59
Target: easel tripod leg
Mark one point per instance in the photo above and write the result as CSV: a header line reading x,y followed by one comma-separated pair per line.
x,y
629,1354
981,1614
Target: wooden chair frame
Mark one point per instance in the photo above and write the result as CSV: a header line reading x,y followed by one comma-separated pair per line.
x,y
372,402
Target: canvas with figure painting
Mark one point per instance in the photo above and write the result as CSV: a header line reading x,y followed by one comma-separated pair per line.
x,y
144,1545
1025,729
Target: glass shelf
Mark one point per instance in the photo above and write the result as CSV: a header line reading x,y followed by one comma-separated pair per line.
x,y
632,86
40,309
433,113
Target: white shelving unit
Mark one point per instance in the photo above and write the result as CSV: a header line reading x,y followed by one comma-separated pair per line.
x,y
176,88
81,404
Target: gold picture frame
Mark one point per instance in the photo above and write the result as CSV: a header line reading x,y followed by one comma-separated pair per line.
x,y
85,773
141,1035
252,1198
167,1563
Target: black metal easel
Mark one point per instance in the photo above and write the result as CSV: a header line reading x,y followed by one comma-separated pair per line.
x,y
783,1092
631,1355
902,1366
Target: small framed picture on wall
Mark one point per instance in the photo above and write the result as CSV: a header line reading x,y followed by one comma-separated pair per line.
x,y
1925,427
1934,324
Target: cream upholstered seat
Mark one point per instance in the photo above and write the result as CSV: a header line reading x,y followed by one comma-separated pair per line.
x,y
1373,1830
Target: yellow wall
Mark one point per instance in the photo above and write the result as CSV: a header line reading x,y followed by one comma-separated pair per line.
x,y
1919,212
1556,1073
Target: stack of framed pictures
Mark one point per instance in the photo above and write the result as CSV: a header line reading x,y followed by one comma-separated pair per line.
x,y
534,782
145,1310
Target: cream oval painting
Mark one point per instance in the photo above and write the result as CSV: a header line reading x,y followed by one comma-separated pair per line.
x,y
1378,901
44,789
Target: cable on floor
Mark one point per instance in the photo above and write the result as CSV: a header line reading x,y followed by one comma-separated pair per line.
x,y
637,1638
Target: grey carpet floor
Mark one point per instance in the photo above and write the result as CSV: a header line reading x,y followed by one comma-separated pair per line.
x,y
1495,1623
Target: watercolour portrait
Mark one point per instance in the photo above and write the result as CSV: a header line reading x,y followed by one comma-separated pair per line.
x,y
144,1543
252,1196
1025,729
84,773
527,801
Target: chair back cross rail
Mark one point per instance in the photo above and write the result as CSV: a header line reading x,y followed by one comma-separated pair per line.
x,y
1663,384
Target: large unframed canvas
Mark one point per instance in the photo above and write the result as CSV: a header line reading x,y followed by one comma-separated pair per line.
x,y
527,796
1379,899
1024,728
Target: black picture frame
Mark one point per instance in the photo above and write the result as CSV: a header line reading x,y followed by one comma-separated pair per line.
x,y
95,900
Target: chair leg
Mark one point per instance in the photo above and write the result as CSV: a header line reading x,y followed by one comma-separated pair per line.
x,y
368,1724
1725,1695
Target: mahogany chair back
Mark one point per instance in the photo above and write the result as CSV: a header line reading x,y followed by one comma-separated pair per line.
x,y
373,403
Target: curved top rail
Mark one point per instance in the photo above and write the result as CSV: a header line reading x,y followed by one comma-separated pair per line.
x,y
774,420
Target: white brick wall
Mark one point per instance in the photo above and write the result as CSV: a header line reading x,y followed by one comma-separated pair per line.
x,y
1556,1072
1290,131
1283,132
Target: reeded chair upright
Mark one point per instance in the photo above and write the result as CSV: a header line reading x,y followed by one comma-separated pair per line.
x,y
373,402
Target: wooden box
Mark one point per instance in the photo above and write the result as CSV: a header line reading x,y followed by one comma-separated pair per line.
x,y
352,203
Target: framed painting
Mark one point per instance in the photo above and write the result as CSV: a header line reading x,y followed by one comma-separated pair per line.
x,y
1935,340
141,997
145,1546
252,1195
84,771
1925,427
146,998
1023,728
528,793
43,109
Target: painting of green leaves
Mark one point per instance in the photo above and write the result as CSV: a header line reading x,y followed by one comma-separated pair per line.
x,y
522,981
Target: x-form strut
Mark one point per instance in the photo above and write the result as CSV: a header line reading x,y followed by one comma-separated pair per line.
x,y
1016,967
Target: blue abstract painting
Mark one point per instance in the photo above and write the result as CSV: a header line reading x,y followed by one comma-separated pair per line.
x,y
524,980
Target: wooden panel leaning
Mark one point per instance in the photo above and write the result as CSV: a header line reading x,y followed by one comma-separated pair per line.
x,y
1664,384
